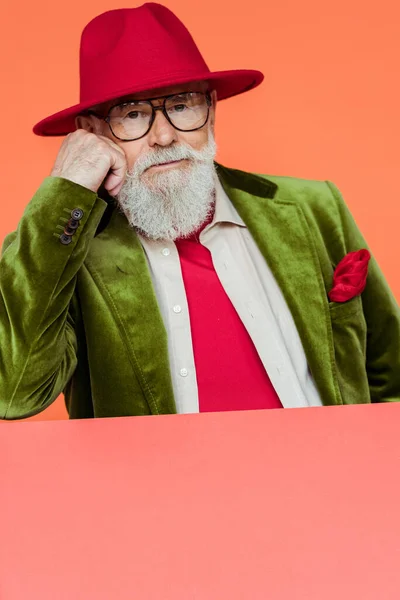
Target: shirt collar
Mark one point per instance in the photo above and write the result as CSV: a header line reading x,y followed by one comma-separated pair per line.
x,y
224,212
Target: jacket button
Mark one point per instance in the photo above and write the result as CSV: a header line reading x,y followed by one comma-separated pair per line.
x,y
77,213
73,224
68,231
65,239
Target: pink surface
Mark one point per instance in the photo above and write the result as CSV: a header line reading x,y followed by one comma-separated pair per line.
x,y
284,504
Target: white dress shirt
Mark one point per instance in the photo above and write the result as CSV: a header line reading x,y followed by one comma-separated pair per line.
x,y
256,297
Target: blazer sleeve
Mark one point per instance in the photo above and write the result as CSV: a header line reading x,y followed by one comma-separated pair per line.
x,y
37,282
382,315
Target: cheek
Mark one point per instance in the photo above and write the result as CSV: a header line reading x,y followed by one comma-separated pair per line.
x,y
195,139
132,152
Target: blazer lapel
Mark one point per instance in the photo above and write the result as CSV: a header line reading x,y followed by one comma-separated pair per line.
x,y
279,227
118,263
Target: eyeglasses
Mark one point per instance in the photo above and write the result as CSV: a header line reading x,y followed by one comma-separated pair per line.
x,y
133,120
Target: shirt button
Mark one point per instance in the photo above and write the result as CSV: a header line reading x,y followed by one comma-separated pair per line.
x,y
183,372
165,251
177,309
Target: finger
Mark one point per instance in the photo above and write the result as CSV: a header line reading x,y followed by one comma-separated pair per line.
x,y
118,171
113,182
112,144
115,191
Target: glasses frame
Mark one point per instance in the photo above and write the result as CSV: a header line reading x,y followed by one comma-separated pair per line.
x,y
107,119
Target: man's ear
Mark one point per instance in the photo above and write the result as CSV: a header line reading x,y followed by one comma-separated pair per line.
x,y
85,122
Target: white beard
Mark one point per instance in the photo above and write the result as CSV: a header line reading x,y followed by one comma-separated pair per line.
x,y
171,203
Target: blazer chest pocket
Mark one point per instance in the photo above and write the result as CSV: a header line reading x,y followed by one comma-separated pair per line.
x,y
345,310
349,327
349,330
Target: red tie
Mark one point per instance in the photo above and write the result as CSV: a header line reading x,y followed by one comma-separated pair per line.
x,y
230,374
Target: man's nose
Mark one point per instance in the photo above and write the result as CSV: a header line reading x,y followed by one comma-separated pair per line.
x,y
162,132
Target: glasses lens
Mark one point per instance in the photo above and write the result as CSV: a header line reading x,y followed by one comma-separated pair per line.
x,y
187,111
131,120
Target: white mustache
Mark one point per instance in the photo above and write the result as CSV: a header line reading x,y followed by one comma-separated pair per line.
x,y
166,155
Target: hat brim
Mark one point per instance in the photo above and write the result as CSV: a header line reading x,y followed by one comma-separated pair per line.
x,y
226,83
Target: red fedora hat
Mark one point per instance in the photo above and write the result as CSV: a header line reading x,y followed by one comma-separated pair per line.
x,y
132,50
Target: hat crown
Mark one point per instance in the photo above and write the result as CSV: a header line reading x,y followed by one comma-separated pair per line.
x,y
123,46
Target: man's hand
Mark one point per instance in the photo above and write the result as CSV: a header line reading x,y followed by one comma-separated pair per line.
x,y
86,158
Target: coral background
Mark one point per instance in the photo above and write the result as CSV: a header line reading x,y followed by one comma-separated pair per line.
x,y
327,109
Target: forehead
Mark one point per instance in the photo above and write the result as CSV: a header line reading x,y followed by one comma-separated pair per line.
x,y
194,86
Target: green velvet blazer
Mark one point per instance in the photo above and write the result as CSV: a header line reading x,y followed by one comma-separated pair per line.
x,y
83,318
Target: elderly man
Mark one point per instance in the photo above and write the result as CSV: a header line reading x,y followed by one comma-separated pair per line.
x,y
145,278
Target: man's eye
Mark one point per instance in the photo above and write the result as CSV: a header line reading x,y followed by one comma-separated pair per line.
x,y
179,107
132,115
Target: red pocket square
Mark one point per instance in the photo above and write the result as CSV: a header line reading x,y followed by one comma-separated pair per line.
x,y
350,276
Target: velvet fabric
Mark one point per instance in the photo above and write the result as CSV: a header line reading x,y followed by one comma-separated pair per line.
x,y
83,318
